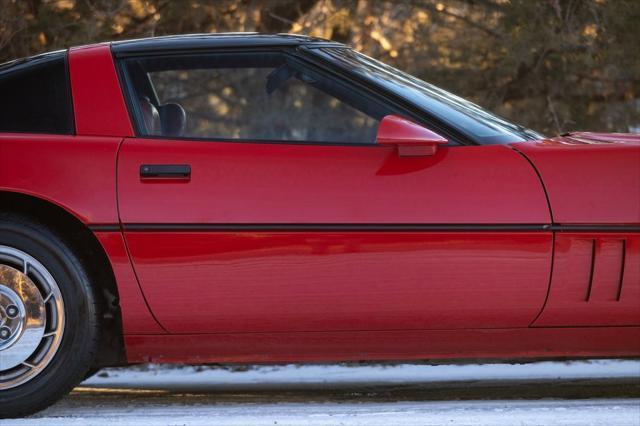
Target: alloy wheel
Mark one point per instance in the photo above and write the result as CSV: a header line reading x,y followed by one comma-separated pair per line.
x,y
31,317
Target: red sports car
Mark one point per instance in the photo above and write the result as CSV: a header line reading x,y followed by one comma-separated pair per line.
x,y
253,198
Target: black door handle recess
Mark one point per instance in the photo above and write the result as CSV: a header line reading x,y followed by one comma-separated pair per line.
x,y
165,171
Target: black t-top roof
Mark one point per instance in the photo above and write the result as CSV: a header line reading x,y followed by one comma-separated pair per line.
x,y
216,40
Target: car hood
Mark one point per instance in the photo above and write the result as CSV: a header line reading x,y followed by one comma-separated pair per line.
x,y
588,138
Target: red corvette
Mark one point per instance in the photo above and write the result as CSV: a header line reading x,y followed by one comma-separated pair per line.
x,y
250,198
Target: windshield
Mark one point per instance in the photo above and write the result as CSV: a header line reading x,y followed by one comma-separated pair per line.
x,y
466,117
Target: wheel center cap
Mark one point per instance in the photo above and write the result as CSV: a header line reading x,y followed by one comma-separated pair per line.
x,y
12,317
23,317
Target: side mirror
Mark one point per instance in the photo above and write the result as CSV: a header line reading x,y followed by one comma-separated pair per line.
x,y
412,139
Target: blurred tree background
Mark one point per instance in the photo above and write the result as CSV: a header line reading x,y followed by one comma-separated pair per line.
x,y
552,65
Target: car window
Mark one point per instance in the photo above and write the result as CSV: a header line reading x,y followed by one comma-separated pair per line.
x,y
256,96
471,120
35,96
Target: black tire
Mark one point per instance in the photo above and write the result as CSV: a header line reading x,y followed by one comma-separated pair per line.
x,y
77,349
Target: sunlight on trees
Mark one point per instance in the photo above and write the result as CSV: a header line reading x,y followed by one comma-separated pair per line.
x,y
551,65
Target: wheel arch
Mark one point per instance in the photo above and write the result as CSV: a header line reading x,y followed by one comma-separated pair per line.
x,y
68,226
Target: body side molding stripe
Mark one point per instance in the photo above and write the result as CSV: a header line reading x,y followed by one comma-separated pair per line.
x,y
357,227
104,228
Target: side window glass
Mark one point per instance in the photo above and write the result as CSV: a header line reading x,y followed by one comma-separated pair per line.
x,y
36,97
257,96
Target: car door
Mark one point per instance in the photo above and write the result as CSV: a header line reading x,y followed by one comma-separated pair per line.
x,y
255,200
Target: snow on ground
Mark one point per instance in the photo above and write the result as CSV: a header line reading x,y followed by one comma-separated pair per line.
x,y
495,413
594,392
155,376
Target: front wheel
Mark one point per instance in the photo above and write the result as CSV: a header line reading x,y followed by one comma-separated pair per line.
x,y
48,318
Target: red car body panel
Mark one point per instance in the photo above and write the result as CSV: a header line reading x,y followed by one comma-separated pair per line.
x,y
76,173
607,172
328,280
98,104
596,281
596,276
387,345
136,316
285,252
250,183
332,281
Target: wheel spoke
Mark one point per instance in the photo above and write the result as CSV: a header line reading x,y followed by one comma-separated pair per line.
x,y
29,330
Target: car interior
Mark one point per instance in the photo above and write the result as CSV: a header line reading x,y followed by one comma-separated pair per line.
x,y
173,118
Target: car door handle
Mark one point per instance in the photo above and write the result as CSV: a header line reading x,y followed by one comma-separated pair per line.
x,y
165,171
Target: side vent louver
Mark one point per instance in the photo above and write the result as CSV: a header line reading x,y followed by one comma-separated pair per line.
x,y
620,281
607,270
595,281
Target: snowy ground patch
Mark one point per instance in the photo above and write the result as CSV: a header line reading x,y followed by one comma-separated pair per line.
x,y
590,392
494,413
159,376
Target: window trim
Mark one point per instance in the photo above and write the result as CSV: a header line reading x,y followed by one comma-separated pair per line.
x,y
305,60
